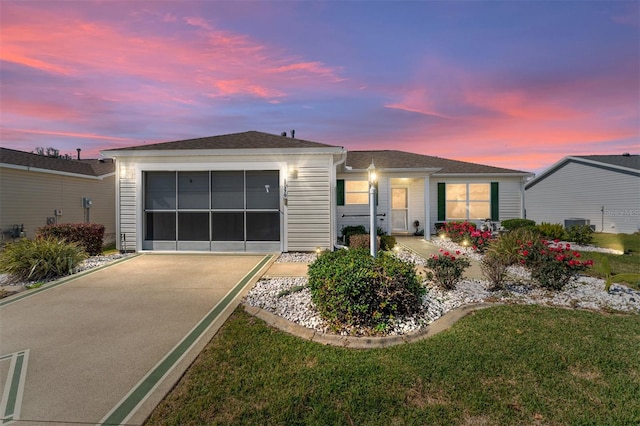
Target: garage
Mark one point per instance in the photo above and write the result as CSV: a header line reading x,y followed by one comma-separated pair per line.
x,y
212,210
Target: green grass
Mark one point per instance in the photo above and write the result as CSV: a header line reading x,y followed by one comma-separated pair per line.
x,y
503,365
624,268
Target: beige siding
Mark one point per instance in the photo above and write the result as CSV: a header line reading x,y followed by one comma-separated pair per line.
x,y
580,191
29,198
309,210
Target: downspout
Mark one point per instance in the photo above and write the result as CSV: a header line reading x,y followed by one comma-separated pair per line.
x,y
523,213
334,204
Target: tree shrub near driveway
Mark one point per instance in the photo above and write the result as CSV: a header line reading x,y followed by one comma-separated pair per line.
x,y
350,289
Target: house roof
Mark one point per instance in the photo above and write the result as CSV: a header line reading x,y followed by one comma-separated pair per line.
x,y
624,160
245,140
625,163
90,167
360,160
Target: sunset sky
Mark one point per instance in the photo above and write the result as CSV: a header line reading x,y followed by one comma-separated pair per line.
x,y
517,84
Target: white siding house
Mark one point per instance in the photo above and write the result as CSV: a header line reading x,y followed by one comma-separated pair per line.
x,y
244,192
601,189
420,188
258,192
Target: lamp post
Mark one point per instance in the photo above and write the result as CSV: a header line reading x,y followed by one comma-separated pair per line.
x,y
373,240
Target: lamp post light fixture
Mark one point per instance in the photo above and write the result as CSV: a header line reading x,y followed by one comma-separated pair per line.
x,y
373,237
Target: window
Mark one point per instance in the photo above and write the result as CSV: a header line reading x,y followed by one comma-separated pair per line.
x,y
356,192
468,201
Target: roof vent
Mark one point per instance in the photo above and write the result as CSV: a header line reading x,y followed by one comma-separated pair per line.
x,y
293,134
626,154
78,149
283,134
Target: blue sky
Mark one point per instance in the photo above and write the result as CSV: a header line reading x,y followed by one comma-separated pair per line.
x,y
517,84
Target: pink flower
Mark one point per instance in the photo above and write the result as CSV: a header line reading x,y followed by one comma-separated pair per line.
x,y
576,254
457,251
525,253
560,258
446,253
440,250
556,241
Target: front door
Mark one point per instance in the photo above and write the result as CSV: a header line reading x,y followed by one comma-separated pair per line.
x,y
400,209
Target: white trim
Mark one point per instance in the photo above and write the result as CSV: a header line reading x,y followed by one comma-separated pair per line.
x,y
235,152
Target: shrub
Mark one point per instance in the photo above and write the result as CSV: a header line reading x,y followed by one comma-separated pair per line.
x,y
580,234
40,259
552,265
446,269
361,241
350,288
466,233
387,242
348,231
553,231
511,224
494,268
508,245
88,235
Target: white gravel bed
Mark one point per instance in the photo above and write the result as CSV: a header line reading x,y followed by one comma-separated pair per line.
x,y
90,263
296,258
583,293
447,244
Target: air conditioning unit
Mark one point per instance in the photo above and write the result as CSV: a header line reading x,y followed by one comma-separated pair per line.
x,y
568,223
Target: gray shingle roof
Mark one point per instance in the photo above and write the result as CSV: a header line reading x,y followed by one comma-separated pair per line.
x,y
628,161
81,167
245,140
408,160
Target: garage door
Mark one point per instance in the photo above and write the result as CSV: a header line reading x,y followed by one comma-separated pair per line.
x,y
224,211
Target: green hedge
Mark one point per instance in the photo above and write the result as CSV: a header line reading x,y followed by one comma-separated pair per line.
x,y
511,224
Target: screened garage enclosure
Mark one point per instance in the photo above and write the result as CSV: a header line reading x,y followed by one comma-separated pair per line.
x,y
212,210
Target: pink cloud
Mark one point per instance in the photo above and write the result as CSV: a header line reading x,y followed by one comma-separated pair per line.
x,y
70,45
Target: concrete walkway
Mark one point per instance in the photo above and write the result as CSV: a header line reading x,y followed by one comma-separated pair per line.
x,y
104,347
426,249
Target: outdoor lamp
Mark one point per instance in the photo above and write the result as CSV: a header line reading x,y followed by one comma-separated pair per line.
x,y
373,240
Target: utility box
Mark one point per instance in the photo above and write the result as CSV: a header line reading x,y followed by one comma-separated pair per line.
x,y
86,202
568,223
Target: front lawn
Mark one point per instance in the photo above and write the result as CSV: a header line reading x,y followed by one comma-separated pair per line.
x,y
504,365
626,266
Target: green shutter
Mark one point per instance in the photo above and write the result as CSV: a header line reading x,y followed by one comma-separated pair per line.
x,y
340,192
441,201
495,204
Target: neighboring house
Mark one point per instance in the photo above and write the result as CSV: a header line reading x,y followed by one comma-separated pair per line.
x,y
255,192
36,190
601,189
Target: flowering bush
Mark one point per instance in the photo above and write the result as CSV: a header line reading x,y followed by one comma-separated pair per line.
x,y
446,269
465,233
552,265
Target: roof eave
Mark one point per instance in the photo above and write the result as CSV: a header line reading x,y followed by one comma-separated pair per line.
x,y
487,174
221,152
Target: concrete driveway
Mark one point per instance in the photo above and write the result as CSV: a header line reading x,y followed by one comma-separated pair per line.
x,y
106,346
